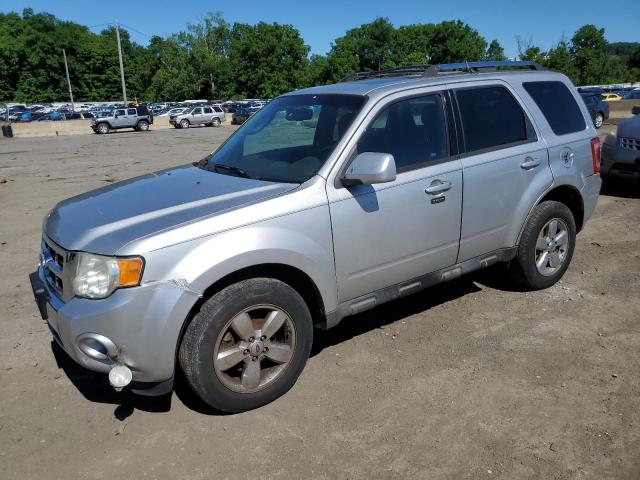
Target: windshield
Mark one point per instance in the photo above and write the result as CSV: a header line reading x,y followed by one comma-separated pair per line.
x,y
288,140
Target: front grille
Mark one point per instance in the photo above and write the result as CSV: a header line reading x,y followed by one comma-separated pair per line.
x,y
631,143
53,259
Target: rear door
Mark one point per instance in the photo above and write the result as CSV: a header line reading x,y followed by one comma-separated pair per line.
x,y
505,166
207,115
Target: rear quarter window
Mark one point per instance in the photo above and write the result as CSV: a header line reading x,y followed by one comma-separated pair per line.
x,y
558,106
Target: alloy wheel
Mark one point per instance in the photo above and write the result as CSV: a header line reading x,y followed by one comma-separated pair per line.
x,y
254,348
552,246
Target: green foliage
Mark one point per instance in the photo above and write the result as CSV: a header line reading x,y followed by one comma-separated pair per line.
x,y
213,59
495,52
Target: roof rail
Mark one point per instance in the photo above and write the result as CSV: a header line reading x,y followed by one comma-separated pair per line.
x,y
442,69
476,67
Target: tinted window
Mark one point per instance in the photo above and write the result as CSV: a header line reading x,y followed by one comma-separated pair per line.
x,y
208,110
412,130
217,109
558,106
197,111
132,111
491,118
120,112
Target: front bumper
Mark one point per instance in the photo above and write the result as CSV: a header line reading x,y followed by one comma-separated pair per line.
x,y
620,162
143,323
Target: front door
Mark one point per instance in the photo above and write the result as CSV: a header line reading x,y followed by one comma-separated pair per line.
x,y
388,233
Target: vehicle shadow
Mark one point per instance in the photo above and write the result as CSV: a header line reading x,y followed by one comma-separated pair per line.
x,y
621,187
392,312
95,387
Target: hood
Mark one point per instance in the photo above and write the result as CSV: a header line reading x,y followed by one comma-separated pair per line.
x,y
630,128
106,219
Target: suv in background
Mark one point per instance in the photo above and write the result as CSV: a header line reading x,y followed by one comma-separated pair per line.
x,y
211,116
621,152
598,108
331,201
138,118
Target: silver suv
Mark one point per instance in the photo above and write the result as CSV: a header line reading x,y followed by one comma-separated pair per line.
x,y
328,202
138,118
211,116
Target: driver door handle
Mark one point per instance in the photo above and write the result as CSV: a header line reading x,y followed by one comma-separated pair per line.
x,y
438,186
530,163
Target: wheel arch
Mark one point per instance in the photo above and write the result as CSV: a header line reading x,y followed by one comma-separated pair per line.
x,y
292,276
569,196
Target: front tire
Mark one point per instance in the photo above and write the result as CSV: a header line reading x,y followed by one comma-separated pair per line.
x,y
102,128
546,246
184,124
248,345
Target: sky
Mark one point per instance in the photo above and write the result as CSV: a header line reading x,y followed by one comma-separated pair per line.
x,y
545,22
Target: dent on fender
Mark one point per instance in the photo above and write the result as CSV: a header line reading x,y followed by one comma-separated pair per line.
x,y
180,283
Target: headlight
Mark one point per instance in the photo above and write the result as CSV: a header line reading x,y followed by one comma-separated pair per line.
x,y
98,276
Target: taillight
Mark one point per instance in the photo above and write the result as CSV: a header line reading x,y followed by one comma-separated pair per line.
x,y
596,152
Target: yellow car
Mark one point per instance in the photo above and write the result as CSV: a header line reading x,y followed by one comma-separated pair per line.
x,y
611,97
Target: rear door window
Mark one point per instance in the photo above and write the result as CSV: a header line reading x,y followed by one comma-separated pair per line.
x,y
558,106
132,111
492,119
208,110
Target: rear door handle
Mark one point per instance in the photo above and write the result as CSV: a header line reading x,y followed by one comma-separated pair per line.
x,y
530,163
438,186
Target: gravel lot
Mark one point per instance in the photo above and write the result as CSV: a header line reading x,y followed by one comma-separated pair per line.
x,y
468,380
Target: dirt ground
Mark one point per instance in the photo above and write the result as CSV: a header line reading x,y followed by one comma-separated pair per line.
x,y
469,380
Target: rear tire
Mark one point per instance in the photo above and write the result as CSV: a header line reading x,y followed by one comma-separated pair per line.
x,y
142,126
216,122
236,334
546,246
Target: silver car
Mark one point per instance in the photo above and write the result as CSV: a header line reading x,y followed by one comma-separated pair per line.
x,y
211,116
328,202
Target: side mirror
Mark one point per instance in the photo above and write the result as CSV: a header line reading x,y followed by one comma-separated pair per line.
x,y
636,110
369,168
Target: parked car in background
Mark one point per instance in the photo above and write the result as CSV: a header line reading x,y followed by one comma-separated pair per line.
x,y
173,111
53,117
611,97
598,108
241,115
79,116
338,199
633,95
621,152
138,118
206,115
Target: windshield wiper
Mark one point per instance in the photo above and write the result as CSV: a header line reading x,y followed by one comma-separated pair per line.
x,y
231,169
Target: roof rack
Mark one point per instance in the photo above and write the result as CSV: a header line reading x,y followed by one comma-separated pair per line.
x,y
444,69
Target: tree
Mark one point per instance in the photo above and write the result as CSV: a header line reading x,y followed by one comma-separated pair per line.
x,y
455,41
495,52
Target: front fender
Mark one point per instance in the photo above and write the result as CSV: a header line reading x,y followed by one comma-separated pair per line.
x,y
202,262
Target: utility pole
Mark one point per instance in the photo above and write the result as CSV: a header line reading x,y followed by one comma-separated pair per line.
x,y
66,69
124,88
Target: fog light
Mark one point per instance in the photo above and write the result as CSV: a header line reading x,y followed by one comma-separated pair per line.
x,y
120,376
